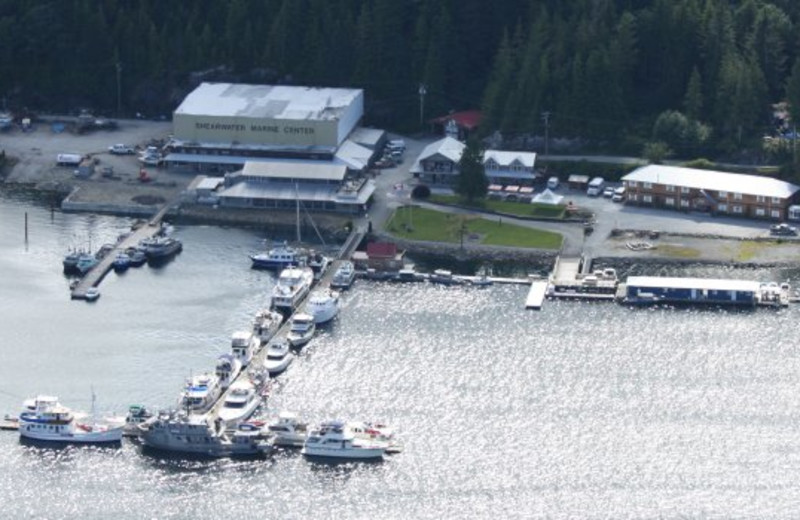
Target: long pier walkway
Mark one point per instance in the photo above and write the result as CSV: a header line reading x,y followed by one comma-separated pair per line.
x,y
96,274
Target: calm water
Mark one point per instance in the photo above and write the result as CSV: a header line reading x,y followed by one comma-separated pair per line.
x,y
581,410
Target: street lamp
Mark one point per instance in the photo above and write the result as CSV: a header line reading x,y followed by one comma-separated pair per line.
x,y
422,92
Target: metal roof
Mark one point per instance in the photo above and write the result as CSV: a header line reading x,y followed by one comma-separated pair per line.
x,y
355,156
448,147
506,158
315,170
367,136
692,283
712,180
303,192
268,101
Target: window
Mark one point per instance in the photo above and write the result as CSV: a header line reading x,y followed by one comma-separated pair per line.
x,y
775,200
633,196
685,189
723,194
761,199
647,185
722,208
670,187
684,203
631,184
775,213
669,201
760,212
737,196
647,198
737,209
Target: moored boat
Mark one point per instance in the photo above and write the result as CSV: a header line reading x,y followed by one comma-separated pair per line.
x,y
121,263
301,330
443,277
280,256
91,294
318,263
278,358
344,276
136,420
227,370
200,393
292,286
240,402
288,431
244,345
178,432
266,324
162,248
323,305
336,440
49,421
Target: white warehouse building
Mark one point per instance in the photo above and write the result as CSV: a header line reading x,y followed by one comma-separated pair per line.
x,y
220,126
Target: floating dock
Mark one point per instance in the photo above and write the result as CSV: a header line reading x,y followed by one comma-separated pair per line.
x,y
536,295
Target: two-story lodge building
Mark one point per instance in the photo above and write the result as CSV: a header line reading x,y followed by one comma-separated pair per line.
x,y
721,193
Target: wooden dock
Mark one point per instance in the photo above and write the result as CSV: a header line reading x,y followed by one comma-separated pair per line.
x,y
96,274
536,295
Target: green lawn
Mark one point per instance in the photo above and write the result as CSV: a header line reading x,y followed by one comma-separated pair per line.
x,y
416,223
524,209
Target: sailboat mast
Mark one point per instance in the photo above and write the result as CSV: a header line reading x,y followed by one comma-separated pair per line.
x,y
297,210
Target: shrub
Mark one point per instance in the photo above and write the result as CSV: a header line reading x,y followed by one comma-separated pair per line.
x,y
420,191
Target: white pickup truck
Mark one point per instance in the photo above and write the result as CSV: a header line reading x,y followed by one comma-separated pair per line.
x,y
69,159
121,149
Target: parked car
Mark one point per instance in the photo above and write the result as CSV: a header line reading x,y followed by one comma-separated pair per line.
x,y
619,194
783,229
608,192
121,149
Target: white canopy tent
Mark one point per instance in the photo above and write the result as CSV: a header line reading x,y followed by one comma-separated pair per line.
x,y
547,197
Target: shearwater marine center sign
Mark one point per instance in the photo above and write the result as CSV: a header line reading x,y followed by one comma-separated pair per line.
x,y
207,129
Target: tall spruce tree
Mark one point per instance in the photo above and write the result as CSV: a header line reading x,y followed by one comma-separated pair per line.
x,y
472,182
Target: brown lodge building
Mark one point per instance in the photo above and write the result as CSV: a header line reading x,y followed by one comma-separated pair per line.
x,y
689,189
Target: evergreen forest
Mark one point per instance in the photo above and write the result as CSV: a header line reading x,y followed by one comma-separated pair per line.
x,y
700,76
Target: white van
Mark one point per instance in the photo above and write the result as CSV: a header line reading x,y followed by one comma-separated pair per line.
x,y
552,183
595,187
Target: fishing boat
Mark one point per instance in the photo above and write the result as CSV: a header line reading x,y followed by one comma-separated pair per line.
x,y
121,263
50,421
136,420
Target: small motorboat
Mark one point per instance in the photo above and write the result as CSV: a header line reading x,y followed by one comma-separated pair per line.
x,y
337,440
92,294
344,275
240,403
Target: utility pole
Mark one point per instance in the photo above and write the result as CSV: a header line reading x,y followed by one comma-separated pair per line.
x,y
119,89
546,119
422,92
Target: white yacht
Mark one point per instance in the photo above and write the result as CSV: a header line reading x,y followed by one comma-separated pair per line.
x,y
228,368
318,263
288,431
377,432
301,330
244,345
266,324
444,277
240,402
47,420
292,286
200,393
278,358
279,256
336,439
323,304
344,276
178,432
